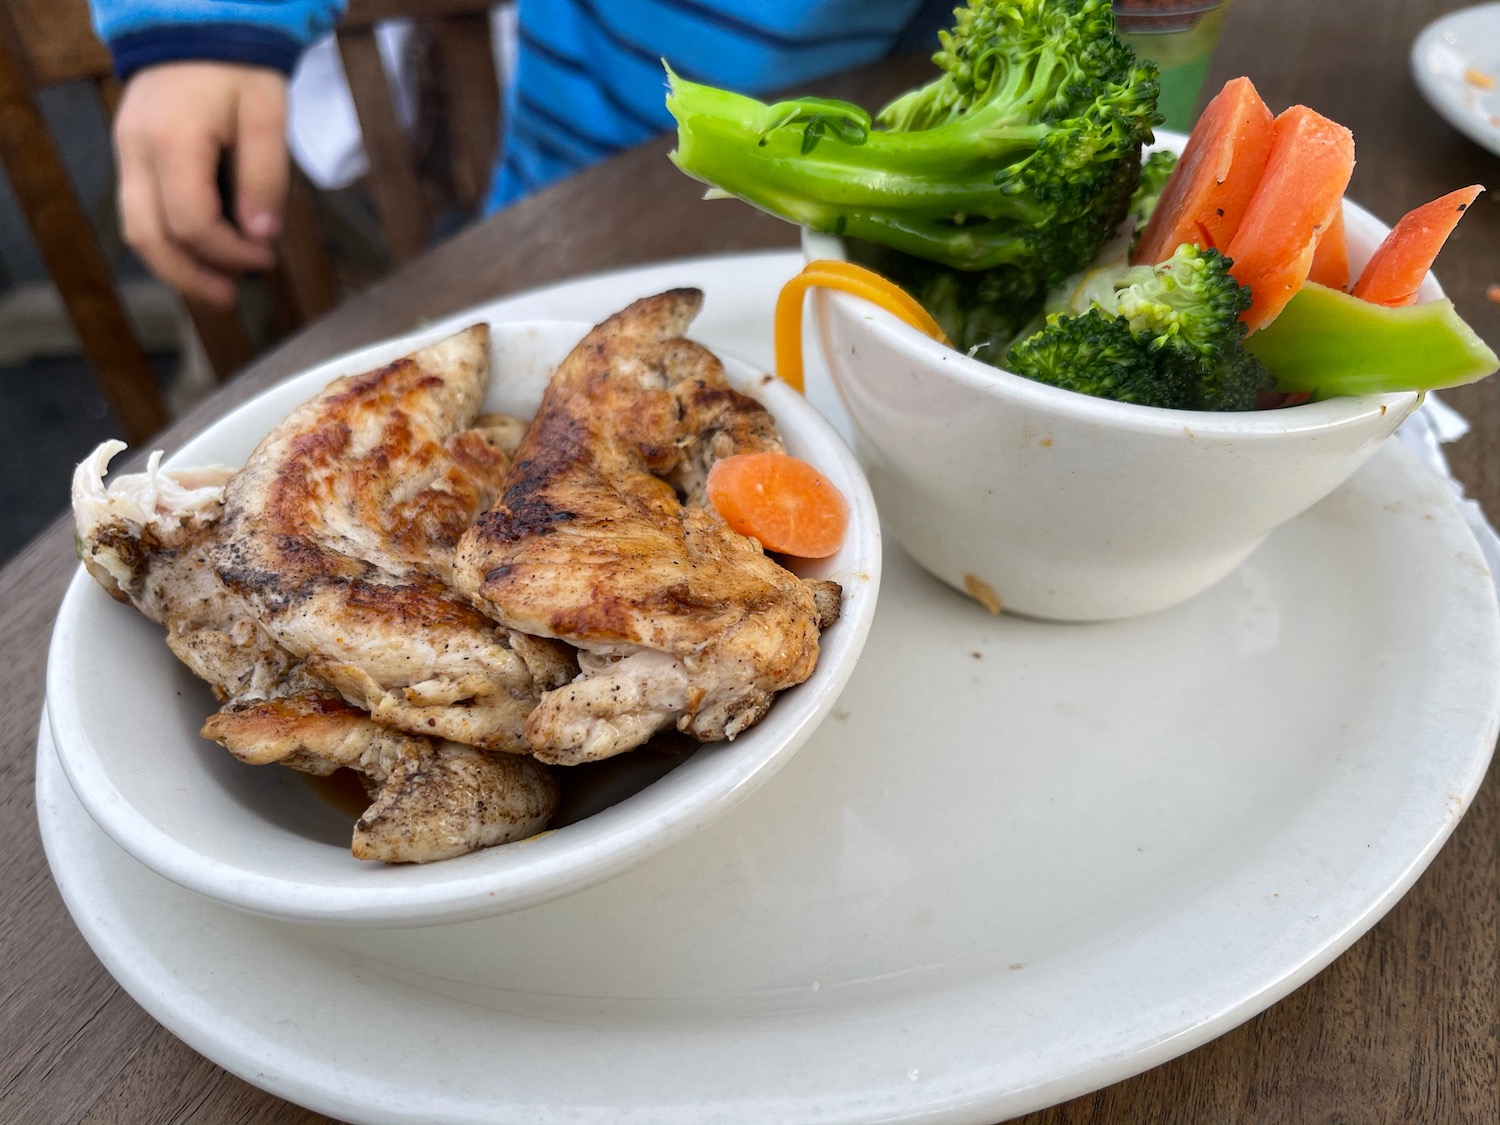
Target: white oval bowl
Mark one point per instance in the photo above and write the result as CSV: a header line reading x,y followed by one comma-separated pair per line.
x,y
1069,507
125,714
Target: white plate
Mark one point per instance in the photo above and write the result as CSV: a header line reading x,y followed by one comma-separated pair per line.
x,y
1019,862
1445,60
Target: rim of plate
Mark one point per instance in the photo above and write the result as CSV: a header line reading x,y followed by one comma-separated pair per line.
x,y
1479,23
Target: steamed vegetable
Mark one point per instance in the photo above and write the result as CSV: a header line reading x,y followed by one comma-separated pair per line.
x,y
781,501
1099,355
1156,171
1328,343
1023,153
978,310
1330,263
1166,335
1400,263
849,278
998,197
1211,186
1300,192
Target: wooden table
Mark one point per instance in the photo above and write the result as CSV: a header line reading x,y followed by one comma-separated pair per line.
x,y
1405,1027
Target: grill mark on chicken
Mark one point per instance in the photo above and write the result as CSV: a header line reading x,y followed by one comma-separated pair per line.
x,y
601,538
430,799
131,553
557,448
339,534
149,540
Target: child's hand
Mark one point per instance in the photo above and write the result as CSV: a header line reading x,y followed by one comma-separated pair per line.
x,y
175,121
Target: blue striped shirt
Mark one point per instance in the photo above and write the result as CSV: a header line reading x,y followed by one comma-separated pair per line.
x,y
274,33
589,80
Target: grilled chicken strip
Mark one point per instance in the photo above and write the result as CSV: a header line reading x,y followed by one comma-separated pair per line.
x,y
679,619
147,539
339,533
431,799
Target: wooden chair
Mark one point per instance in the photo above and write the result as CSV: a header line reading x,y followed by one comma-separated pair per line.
x,y
49,42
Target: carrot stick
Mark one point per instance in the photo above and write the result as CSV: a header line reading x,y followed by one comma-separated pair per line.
x,y
1296,201
1395,271
1207,193
1330,263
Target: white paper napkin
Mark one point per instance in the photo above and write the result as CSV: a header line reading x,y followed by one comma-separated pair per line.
x,y
322,128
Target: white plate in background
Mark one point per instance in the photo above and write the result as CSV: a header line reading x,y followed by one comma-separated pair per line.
x,y
1455,61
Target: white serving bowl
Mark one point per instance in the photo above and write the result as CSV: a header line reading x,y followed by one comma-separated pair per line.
x,y
1068,507
125,715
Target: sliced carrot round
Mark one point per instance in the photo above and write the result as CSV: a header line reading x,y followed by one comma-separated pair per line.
x,y
783,502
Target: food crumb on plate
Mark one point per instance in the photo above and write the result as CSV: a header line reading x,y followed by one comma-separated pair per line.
x,y
982,592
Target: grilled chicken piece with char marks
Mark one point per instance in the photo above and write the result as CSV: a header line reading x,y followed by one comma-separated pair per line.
x,y
147,538
600,538
430,799
339,534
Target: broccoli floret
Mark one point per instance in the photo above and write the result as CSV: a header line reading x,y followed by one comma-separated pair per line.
x,y
1156,170
1183,317
1191,300
1097,354
1236,382
1023,153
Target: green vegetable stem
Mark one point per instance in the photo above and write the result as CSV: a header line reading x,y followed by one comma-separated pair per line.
x,y
1327,343
1024,152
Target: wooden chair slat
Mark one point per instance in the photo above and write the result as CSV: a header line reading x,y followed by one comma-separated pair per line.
x,y
392,178
303,278
72,254
471,102
111,92
224,340
366,13
51,45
